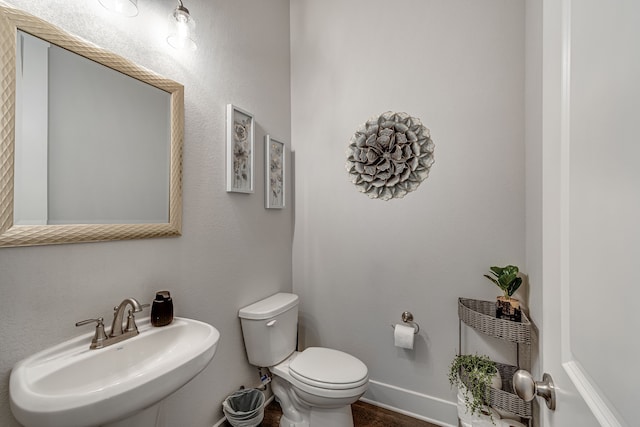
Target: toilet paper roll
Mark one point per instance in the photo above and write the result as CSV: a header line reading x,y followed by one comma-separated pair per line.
x,y
403,336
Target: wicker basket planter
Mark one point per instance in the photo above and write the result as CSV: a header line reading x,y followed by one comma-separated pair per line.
x,y
480,315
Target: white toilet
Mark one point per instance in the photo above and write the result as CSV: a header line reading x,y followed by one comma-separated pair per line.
x,y
315,387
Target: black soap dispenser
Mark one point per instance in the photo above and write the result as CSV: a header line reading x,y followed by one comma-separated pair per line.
x,y
162,309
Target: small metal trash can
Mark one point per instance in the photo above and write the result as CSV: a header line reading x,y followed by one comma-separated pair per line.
x,y
244,408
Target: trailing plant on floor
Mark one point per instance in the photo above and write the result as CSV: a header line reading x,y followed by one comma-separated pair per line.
x,y
477,372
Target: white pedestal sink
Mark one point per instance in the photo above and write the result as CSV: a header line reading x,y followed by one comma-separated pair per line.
x,y
69,385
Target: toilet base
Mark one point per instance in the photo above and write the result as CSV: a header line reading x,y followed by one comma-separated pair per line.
x,y
331,417
286,422
295,413
322,417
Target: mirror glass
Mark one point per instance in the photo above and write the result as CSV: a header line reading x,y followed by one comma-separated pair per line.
x,y
92,144
96,144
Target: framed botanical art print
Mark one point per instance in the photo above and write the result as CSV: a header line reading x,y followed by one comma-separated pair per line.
x,y
274,154
240,132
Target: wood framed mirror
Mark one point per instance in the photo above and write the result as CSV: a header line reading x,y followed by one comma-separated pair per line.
x,y
72,206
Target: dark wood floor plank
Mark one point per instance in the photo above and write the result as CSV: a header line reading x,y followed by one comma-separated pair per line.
x,y
364,415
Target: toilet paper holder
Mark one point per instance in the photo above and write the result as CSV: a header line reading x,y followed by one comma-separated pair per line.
x,y
407,317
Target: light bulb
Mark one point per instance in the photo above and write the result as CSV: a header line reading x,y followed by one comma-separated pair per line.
x,y
181,29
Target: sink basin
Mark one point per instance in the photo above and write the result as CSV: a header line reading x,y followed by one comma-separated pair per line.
x,y
69,385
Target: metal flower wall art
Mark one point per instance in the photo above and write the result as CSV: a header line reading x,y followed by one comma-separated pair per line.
x,y
390,155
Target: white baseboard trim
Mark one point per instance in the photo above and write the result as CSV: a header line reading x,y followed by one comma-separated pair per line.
x,y
266,402
417,405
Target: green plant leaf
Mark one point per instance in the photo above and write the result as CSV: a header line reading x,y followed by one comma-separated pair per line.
x,y
497,271
475,373
513,286
510,269
506,279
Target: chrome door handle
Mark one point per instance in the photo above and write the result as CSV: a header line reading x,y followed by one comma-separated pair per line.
x,y
526,388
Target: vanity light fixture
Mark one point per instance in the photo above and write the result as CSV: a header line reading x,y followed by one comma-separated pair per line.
x,y
181,29
121,7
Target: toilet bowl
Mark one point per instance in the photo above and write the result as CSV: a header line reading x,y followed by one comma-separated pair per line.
x,y
314,387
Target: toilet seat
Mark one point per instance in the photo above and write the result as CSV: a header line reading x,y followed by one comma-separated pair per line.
x,y
327,368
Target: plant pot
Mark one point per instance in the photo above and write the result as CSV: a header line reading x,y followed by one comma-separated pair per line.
x,y
473,419
496,382
508,308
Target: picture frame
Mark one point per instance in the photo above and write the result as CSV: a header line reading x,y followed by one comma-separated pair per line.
x,y
240,150
275,176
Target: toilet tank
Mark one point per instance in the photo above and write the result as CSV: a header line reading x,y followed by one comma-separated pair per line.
x,y
270,328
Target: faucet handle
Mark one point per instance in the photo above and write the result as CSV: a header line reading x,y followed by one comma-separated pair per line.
x,y
131,320
100,336
131,323
86,322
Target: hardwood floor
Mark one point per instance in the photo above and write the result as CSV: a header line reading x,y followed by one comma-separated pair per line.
x,y
364,415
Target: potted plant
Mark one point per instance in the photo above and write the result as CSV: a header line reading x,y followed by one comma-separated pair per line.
x,y
506,278
473,375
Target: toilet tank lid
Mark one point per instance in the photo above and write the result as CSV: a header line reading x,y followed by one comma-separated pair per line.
x,y
269,307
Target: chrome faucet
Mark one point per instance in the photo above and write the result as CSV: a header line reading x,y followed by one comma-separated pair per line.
x,y
117,333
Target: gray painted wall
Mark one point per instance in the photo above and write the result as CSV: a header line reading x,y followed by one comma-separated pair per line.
x,y
359,263
533,156
232,250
